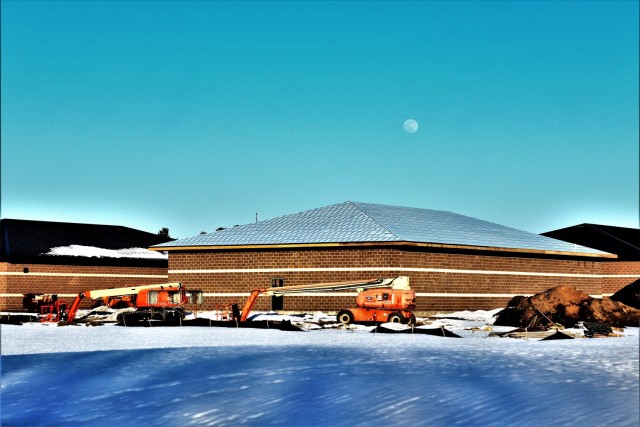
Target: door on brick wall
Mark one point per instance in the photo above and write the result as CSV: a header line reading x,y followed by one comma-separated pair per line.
x,y
277,303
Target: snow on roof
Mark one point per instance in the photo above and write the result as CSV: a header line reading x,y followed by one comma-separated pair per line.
x,y
27,238
91,251
354,222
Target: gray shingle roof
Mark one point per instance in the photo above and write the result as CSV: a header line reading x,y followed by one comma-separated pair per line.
x,y
353,222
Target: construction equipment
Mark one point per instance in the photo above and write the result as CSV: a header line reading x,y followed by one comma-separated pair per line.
x,y
381,306
151,302
385,300
49,307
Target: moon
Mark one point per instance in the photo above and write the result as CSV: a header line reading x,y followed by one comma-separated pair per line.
x,y
410,126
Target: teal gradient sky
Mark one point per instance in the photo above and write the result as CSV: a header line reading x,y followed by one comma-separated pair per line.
x,y
196,115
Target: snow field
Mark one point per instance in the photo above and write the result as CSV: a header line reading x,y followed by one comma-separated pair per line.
x,y
110,375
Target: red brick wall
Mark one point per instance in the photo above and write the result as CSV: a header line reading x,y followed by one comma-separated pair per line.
x,y
244,282
626,268
65,279
401,262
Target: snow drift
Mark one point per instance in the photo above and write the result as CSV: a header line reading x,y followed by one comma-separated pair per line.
x,y
182,376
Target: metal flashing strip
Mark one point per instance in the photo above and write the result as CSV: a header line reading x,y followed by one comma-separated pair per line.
x,y
18,273
22,295
418,294
343,294
296,294
447,295
352,294
401,269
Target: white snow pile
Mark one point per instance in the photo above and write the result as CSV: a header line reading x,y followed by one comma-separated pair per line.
x,y
478,315
209,376
91,251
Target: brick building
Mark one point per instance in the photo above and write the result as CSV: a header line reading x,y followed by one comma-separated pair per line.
x,y
454,262
67,258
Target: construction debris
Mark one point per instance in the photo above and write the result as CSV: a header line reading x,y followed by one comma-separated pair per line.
x,y
597,328
18,318
566,306
557,336
438,332
282,325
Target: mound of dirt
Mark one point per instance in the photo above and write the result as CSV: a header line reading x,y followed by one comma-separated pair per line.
x,y
629,295
565,306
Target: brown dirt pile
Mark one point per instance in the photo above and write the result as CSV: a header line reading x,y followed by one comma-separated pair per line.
x,y
565,306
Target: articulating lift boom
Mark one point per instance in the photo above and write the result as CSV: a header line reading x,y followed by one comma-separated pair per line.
x,y
162,289
388,286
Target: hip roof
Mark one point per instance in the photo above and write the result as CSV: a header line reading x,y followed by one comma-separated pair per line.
x,y
355,222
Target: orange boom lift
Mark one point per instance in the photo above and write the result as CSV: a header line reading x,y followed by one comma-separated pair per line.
x,y
379,300
163,301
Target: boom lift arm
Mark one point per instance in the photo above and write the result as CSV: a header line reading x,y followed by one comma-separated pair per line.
x,y
400,282
71,315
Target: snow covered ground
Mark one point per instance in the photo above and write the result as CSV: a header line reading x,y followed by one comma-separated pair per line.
x,y
171,376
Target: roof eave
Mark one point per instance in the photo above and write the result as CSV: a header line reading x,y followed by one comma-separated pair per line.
x,y
380,243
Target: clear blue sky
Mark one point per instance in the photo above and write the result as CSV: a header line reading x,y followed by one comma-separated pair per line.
x,y
196,115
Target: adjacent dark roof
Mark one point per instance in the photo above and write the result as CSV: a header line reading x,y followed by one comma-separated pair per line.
x,y
26,241
353,222
624,242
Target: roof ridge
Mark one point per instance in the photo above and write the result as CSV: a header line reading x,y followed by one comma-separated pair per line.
x,y
356,204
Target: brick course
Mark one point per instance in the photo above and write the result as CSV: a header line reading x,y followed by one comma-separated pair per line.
x,y
68,279
280,262
401,260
